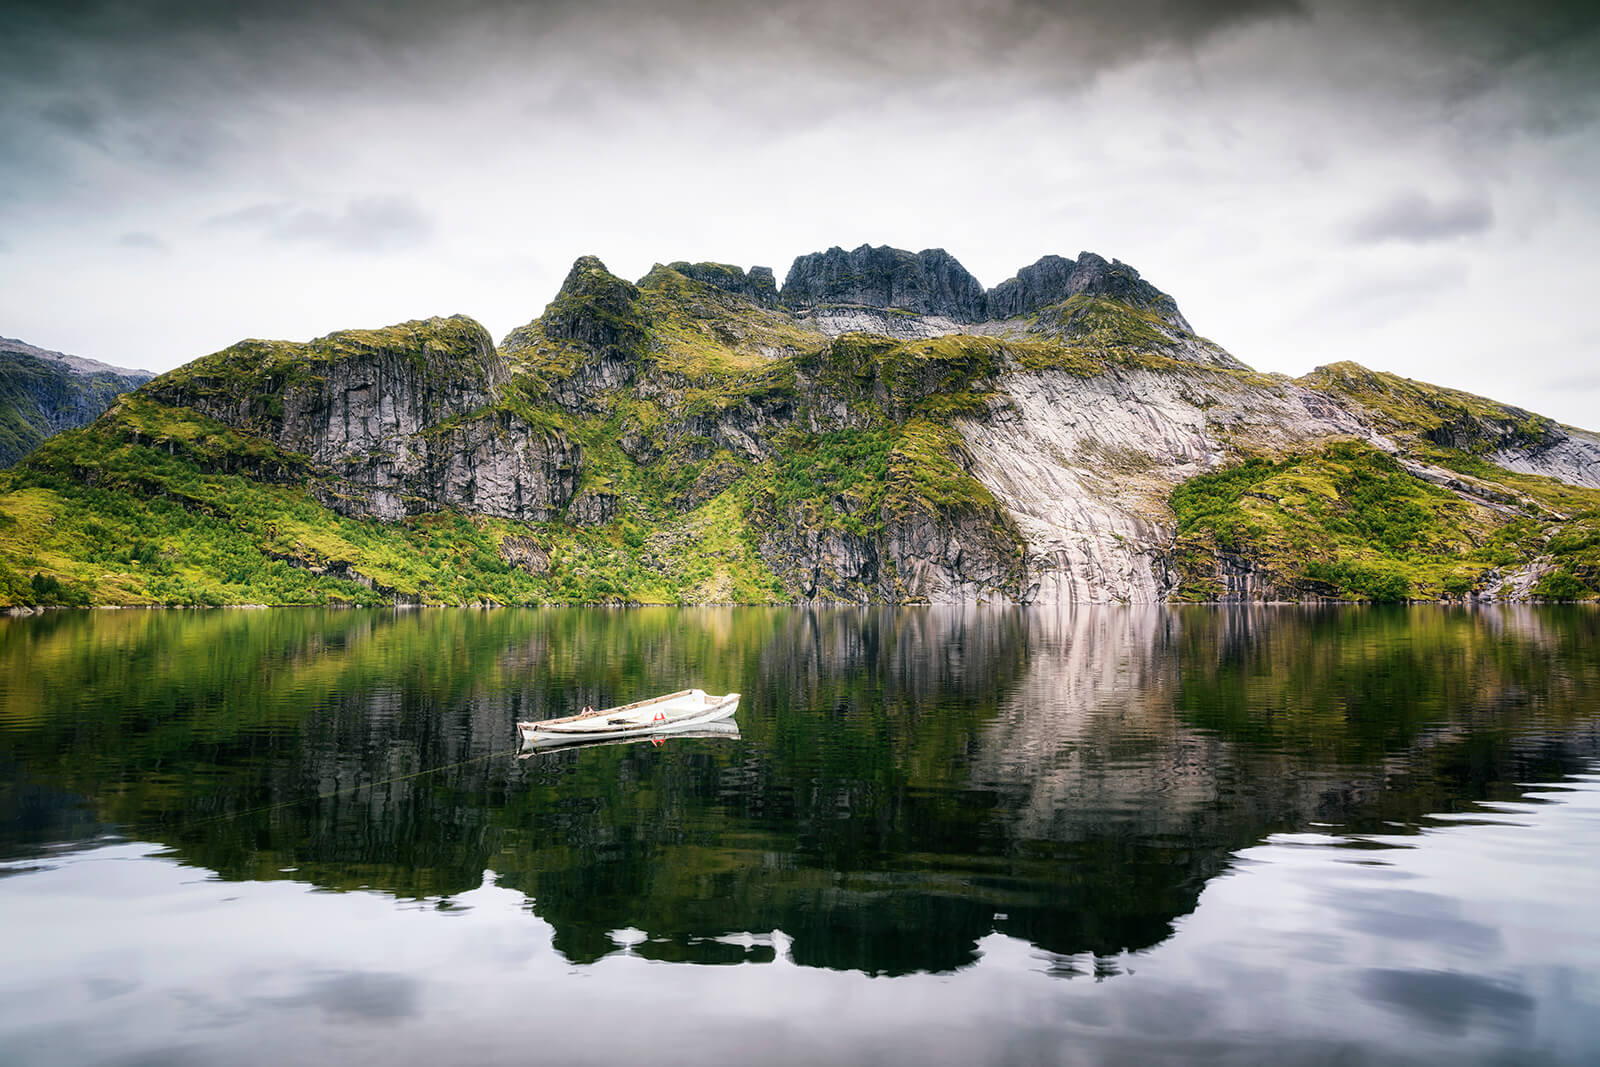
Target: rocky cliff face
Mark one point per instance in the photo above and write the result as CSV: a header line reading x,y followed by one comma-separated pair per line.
x,y
910,296
881,430
1573,457
1052,280
44,392
930,282
589,338
934,283
1086,465
394,422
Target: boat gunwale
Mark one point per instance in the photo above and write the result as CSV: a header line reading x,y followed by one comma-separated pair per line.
x,y
539,723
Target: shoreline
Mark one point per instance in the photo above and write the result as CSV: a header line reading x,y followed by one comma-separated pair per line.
x,y
27,610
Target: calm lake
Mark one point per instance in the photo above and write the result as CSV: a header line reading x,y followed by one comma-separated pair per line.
x,y
981,836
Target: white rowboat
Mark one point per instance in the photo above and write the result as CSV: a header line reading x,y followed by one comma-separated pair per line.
x,y
686,708
725,729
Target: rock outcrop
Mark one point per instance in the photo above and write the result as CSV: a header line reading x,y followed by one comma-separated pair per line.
x,y
934,283
913,295
592,507
1053,279
954,557
1086,465
590,338
930,282
1570,455
839,319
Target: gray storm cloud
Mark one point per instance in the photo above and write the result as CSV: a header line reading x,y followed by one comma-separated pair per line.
x,y
139,239
1415,216
191,84
93,56
380,223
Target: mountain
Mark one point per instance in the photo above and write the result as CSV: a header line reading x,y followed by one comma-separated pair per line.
x,y
43,392
880,429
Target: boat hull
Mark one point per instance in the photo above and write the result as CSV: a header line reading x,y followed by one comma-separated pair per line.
x,y
722,728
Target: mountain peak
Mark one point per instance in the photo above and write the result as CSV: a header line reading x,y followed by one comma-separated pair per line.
x,y
1052,279
594,306
933,282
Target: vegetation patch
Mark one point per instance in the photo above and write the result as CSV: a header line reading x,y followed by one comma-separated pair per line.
x,y
1098,323
1445,417
701,332
926,469
938,377
1346,522
838,478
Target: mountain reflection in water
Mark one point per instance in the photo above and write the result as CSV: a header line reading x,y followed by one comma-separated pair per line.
x,y
907,791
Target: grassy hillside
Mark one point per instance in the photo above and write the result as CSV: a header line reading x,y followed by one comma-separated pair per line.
x,y
1350,522
101,516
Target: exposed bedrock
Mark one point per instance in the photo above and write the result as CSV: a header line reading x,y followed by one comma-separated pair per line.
x,y
1085,467
1573,456
1053,279
953,558
931,282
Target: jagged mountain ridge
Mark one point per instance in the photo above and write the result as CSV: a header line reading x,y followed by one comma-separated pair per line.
x,y
929,293
44,392
700,435
933,282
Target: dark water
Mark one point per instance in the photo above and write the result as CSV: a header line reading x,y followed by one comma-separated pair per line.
x,y
1334,836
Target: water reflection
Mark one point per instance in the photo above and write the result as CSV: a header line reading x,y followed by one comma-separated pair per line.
x,y
905,786
1305,952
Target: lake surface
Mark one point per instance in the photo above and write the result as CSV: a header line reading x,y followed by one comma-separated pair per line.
x,y
1102,835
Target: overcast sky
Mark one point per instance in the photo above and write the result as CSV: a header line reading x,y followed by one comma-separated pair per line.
x,y
1410,185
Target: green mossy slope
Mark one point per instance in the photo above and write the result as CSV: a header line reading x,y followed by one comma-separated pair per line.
x,y
1349,522
1431,413
160,529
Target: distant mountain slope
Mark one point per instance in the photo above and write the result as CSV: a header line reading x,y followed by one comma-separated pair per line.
x,y
79,364
43,392
881,429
